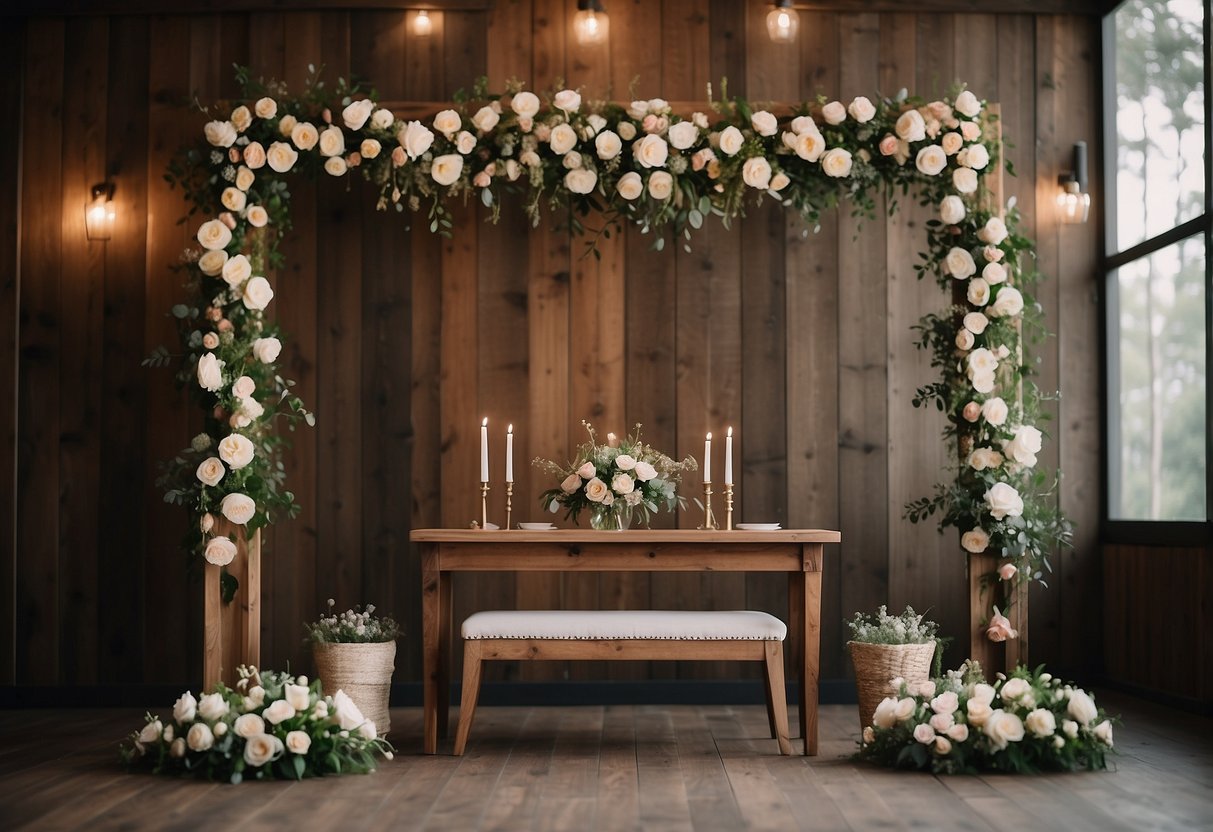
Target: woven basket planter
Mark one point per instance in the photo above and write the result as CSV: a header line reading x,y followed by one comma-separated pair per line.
x,y
364,672
876,664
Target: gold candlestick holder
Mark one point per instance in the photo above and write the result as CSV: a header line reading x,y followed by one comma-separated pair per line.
x,y
709,519
509,503
728,506
484,505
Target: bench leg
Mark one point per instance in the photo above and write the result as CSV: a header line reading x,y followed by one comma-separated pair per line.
x,y
777,698
766,685
471,692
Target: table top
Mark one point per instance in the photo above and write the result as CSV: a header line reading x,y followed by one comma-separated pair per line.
x,y
631,536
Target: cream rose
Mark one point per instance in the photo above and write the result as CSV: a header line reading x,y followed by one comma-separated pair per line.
x,y
177,746
185,708
249,725
965,340
993,232
581,181
756,172
952,143
570,484
465,142
975,157
951,208
486,119
563,139
212,706
984,458
764,123
924,733
298,742
683,134
982,692
446,169
1015,689
220,133
586,471
978,711
245,177
525,104
1041,723
200,737
982,361
630,185
266,108
809,146
415,138
281,157
383,119
596,490
967,104
278,711
210,471
211,262
261,749
982,382
567,100
804,124
286,124
257,216
976,322
959,263
213,235
257,293
964,180
237,270
266,350
661,185
931,160
905,708
979,292
942,722
910,126
1103,733
627,130
236,450
779,181
975,541
220,551
233,199
1004,501
305,135
1003,728
335,166
332,141
645,471
861,109
210,373
238,508
995,410
356,113
731,140
836,162
447,122
1008,303
651,151
885,715
623,483
958,732
1024,445
607,144
945,703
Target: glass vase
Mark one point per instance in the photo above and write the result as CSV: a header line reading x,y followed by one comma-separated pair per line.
x,y
614,518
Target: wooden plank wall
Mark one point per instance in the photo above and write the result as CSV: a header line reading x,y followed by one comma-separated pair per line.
x,y
402,341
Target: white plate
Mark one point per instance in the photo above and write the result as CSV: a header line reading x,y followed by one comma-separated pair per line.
x,y
537,527
758,527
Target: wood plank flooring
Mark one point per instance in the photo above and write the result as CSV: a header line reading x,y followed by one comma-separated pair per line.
x,y
609,768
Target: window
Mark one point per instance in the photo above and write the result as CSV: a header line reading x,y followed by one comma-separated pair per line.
x,y
1158,274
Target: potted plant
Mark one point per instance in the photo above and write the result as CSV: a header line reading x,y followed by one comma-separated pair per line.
x,y
887,650
355,651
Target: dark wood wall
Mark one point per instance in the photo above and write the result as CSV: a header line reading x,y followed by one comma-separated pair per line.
x,y
402,340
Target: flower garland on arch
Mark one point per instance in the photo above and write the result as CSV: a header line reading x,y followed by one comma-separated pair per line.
x,y
639,163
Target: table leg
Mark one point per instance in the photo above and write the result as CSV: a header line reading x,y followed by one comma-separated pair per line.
x,y
810,593
444,654
431,650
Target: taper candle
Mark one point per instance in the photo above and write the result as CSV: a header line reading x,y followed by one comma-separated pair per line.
x,y
707,458
509,454
484,450
728,458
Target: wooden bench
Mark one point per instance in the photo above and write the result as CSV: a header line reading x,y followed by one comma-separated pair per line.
x,y
558,635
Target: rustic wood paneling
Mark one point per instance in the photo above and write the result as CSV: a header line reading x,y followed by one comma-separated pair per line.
x,y
402,340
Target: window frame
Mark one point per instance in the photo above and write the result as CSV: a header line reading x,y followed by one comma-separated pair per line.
x,y
1148,532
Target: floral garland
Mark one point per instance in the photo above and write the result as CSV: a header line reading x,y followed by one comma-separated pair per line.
x,y
642,164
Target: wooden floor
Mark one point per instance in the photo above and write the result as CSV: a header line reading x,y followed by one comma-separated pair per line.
x,y
621,767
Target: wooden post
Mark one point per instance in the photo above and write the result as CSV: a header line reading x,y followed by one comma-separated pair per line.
x,y
232,631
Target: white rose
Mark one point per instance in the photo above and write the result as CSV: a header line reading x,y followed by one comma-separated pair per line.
x,y
332,141
861,109
212,706
979,292
765,124
243,387
563,139
266,108
210,471
804,124
281,157
233,199
885,715
354,116
238,508
809,145
586,471
756,172
731,140
923,732
305,135
257,293
945,703
836,162
241,118
1003,728
249,725
210,373
486,119
347,713
335,166
286,124
975,541
266,350
299,697
415,138
942,722
257,216
993,232
951,209
211,262
261,749
952,143
1003,501
236,450
982,361
465,143
581,181
237,270
298,742
367,730
645,471
625,462
983,382
779,181
200,737
661,185
978,711
1041,723
964,180
623,483
905,708
213,235
596,490
959,263
982,692
965,340
976,157
185,708
177,747
910,126
1103,732
1008,303
607,144
447,123
1024,445
220,133
279,711
567,100
525,104
834,112
976,322
968,104
383,119
651,151
931,160
1015,689
983,458
151,732
683,134
995,411
220,551
446,169
630,185
627,130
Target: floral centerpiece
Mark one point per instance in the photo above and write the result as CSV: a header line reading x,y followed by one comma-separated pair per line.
x,y
1027,723
273,725
615,481
355,651
885,647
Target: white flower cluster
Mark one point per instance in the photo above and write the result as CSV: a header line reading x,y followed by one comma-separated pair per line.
x,y
355,625
908,627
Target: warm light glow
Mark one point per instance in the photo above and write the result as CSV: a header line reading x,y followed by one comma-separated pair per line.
x,y
99,213
509,429
591,24
1073,205
422,25
783,23
485,423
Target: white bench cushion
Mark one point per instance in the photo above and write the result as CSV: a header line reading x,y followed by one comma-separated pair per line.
x,y
625,624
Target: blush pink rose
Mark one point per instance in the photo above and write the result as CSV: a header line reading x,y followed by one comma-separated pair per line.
x,y
888,145
971,412
1007,571
1000,628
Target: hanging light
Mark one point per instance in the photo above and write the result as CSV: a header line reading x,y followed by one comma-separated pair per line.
x,y
1073,201
782,22
99,213
591,24
422,25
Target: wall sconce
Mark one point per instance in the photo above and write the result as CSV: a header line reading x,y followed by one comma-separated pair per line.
x,y
1073,201
99,213
783,22
422,25
591,24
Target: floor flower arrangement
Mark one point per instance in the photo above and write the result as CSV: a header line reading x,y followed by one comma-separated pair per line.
x,y
1030,722
271,726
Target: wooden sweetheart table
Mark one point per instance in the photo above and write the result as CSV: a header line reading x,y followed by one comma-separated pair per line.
x,y
799,552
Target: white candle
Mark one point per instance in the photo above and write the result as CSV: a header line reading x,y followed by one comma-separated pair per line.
x,y
484,450
509,454
707,458
728,458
